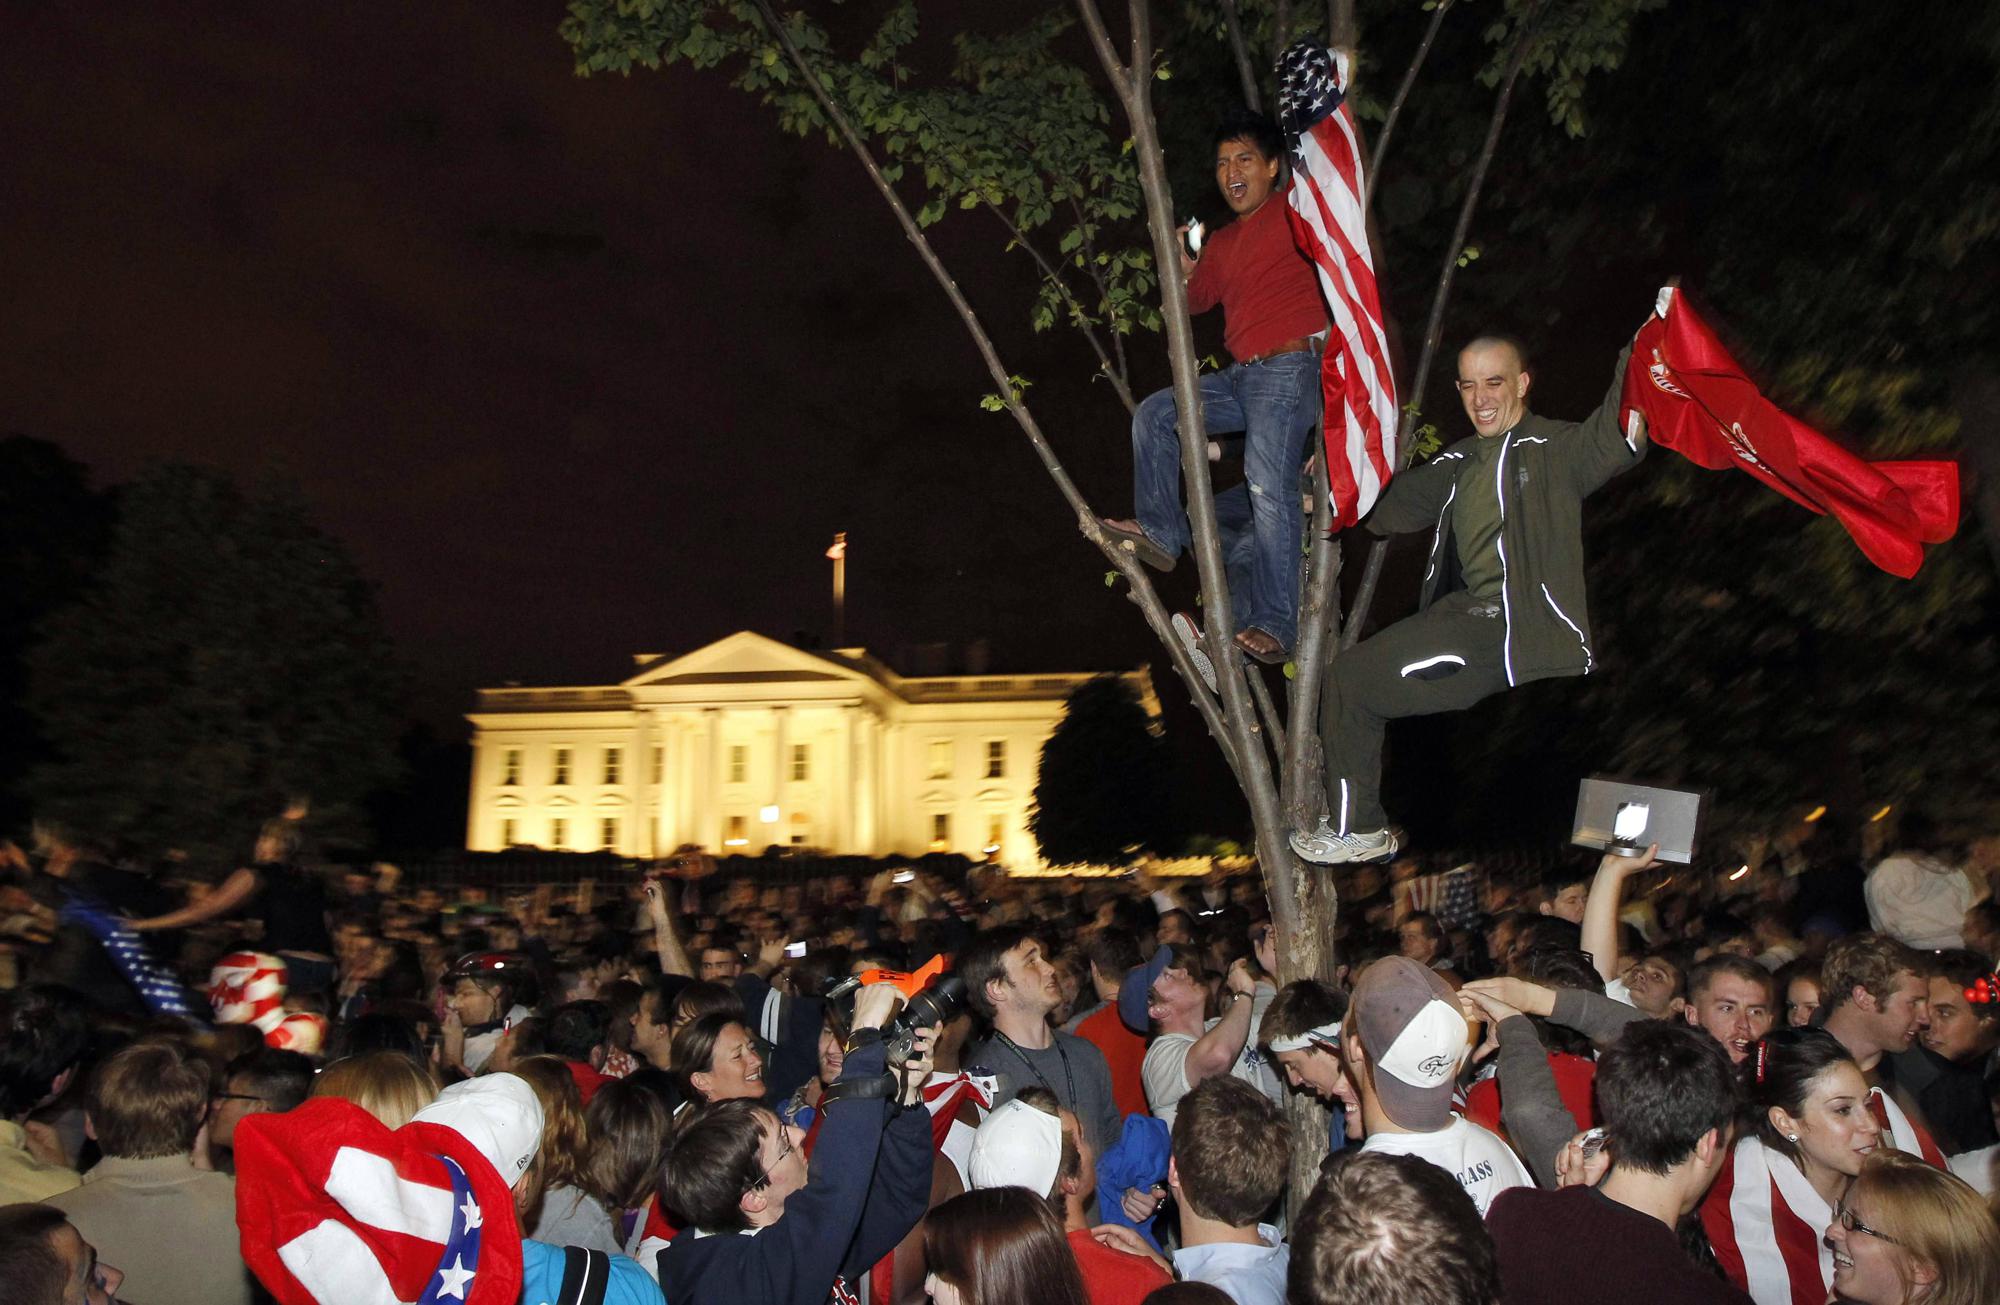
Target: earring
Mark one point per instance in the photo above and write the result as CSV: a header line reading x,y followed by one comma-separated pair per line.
x,y
1792,1137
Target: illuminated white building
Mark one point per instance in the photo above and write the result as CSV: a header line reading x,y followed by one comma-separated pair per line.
x,y
750,742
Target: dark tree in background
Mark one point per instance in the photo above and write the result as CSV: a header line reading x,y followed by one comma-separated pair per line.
x,y
1102,794
52,529
226,655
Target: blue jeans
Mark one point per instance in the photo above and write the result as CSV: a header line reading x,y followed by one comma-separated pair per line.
x,y
1275,404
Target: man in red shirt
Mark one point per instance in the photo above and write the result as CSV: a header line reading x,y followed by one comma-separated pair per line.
x,y
1273,318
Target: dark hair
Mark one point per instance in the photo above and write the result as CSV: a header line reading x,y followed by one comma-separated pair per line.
x,y
1520,349
34,1273
630,1127
528,1038
1003,1246
1560,967
393,1027
1730,963
577,1029
1549,931
1188,1293
1390,1230
1250,125
1660,1087
621,998
1962,967
980,963
693,1049
282,1078
1780,1071
1988,914
42,1034
1230,1148
1300,1007
716,1159
1428,923
704,997
1114,951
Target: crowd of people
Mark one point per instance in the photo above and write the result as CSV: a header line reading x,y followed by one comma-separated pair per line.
x,y
1637,1082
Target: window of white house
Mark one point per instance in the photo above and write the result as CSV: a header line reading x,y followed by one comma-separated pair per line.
x,y
510,766
996,758
736,833
610,832
940,759
801,762
561,770
739,763
659,764
559,832
941,829
801,829
614,765
507,830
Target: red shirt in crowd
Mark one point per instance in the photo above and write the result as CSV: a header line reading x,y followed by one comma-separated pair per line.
x,y
1111,1276
1268,291
1576,1077
587,1079
1124,1051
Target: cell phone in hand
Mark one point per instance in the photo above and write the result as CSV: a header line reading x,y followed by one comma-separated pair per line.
x,y
795,950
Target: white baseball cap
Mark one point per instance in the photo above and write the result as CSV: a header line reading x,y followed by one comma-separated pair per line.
x,y
1017,1146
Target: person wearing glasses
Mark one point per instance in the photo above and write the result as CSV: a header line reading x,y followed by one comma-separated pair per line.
x,y
1907,1234
764,1232
266,1079
1810,1130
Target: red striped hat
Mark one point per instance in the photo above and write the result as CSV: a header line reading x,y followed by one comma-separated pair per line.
x,y
336,1209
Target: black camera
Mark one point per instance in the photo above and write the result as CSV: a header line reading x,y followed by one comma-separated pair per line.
x,y
939,1001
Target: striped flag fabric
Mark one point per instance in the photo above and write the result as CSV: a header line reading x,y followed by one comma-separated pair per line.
x,y
1329,224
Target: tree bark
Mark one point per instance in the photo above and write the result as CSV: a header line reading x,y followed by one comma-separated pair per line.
x,y
1371,574
1246,73
1403,97
1141,584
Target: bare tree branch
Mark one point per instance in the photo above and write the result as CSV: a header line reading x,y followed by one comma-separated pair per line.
x,y
1127,565
1089,252
1281,29
1245,72
1371,575
1134,83
1342,31
1319,622
1078,317
1402,94
1267,712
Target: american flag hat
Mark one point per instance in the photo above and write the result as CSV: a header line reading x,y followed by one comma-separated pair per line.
x,y
336,1209
248,988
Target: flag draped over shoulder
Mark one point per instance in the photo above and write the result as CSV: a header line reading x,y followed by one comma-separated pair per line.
x,y
1329,224
1698,401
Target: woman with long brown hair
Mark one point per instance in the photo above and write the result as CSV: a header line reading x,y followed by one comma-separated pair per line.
x,y
1000,1246
562,1209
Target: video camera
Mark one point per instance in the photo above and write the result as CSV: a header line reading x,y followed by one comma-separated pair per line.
x,y
933,997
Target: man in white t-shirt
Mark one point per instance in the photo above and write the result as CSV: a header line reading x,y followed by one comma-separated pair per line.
x,y
1189,1045
1403,1043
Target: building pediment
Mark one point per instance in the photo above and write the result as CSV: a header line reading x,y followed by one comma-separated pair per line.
x,y
749,658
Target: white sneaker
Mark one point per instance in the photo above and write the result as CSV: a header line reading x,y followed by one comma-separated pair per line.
x,y
1325,847
1190,636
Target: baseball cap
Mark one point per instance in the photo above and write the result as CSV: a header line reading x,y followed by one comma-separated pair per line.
x,y
1017,1146
1132,993
1410,1026
498,1114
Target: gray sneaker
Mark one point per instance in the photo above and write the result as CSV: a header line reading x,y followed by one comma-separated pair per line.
x,y
1190,636
1325,847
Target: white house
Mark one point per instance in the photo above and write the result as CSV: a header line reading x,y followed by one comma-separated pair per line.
x,y
750,742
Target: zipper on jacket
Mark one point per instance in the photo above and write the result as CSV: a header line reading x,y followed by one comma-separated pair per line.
x,y
1500,542
1437,540
1588,661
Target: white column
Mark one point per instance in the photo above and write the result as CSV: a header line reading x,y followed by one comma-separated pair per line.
x,y
475,801
840,786
711,811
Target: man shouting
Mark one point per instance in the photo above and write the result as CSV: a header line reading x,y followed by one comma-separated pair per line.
x,y
1502,600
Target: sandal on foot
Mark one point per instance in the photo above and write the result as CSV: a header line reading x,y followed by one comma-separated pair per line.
x,y
1134,540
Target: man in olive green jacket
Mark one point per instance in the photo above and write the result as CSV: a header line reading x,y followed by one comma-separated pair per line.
x,y
1502,600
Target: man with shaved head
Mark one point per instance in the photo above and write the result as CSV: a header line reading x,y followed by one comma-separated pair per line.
x,y
1503,593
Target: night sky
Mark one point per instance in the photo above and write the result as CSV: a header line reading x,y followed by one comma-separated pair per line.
x,y
576,368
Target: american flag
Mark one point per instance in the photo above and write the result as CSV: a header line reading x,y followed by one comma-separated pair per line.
x,y
1329,224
